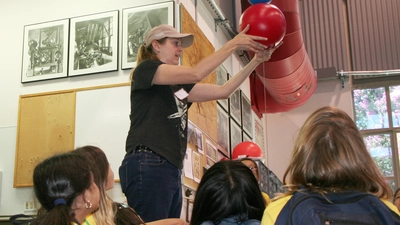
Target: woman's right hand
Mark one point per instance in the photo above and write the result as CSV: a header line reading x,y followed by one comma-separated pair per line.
x,y
244,41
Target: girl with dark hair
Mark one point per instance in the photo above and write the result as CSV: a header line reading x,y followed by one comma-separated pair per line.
x,y
228,193
64,186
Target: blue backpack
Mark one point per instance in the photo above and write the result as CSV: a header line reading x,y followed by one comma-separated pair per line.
x,y
308,208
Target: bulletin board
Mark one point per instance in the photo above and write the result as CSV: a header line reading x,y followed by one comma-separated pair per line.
x,y
203,116
46,124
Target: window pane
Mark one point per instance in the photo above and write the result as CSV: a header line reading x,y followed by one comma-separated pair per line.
x,y
379,147
392,184
395,103
370,108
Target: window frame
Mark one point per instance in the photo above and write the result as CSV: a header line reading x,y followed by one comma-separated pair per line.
x,y
372,82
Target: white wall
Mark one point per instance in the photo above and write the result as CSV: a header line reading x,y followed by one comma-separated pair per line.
x,y
16,14
280,129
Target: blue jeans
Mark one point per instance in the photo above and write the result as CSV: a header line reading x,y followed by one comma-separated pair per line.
x,y
152,186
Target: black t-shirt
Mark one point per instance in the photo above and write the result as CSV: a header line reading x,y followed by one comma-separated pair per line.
x,y
158,118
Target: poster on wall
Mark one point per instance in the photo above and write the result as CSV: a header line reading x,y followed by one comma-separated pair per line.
x,y
187,164
136,22
93,44
196,167
45,51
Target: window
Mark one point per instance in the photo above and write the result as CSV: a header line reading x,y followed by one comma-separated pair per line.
x,y
377,115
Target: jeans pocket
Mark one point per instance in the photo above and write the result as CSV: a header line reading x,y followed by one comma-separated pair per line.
x,y
151,159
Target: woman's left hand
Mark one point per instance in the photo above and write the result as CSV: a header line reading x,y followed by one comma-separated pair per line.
x,y
265,55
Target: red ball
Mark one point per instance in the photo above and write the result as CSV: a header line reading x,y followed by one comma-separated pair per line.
x,y
224,159
265,20
246,149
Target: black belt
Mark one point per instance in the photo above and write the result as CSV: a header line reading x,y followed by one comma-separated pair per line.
x,y
142,148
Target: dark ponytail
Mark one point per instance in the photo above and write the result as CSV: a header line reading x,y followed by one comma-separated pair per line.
x,y
57,181
145,53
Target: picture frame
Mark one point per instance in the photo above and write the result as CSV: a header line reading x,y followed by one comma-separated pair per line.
x,y
93,43
211,151
191,135
246,137
221,78
209,163
199,140
258,137
223,131
235,134
234,106
45,51
136,22
247,115
196,166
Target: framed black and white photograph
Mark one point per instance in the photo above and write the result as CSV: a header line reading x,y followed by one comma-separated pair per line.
x,y
191,135
45,51
236,134
222,78
258,137
246,137
93,44
234,106
136,22
211,151
199,140
223,131
247,115
209,162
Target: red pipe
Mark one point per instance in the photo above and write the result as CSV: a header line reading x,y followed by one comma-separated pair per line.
x,y
288,79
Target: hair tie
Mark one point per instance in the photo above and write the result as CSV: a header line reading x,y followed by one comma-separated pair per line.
x,y
60,201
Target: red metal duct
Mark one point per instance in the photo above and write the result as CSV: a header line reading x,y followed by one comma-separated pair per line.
x,y
288,79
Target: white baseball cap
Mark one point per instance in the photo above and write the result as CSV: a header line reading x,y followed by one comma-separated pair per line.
x,y
163,31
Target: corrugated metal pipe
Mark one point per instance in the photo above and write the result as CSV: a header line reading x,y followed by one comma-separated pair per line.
x,y
288,79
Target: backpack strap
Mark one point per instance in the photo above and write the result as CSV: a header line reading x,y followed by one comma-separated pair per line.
x,y
286,213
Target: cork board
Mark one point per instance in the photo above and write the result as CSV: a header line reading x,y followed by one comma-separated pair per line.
x,y
45,127
203,115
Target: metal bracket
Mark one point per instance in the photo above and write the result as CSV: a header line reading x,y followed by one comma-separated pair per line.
x,y
342,78
219,22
